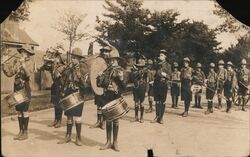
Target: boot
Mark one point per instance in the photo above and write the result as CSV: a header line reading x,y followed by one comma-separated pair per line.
x,y
229,103
142,111
176,102
115,136
208,107
108,132
68,134
102,122
98,123
199,102
78,134
162,113
219,104
58,124
150,109
243,104
24,136
156,112
20,122
53,123
196,101
211,107
185,113
173,102
136,114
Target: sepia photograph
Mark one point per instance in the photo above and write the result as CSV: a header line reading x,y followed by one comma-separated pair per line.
x,y
120,78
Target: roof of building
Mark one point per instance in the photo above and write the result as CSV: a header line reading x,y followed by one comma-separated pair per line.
x,y
12,33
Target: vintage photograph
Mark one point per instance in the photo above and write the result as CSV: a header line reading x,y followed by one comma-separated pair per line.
x,y
120,78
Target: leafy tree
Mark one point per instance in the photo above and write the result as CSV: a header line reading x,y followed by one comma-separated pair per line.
x,y
68,24
22,12
236,52
133,29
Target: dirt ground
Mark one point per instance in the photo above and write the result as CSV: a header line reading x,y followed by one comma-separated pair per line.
x,y
217,134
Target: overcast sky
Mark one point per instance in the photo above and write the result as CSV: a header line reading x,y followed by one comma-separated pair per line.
x,y
44,13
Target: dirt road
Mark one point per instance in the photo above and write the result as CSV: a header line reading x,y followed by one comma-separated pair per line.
x,y
218,134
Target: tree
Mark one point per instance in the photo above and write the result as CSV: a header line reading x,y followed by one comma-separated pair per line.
x,y
236,52
22,12
230,24
68,24
131,28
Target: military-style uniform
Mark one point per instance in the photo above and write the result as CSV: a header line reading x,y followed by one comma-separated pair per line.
x,y
211,88
140,85
198,79
175,85
230,85
243,76
186,82
112,91
221,79
72,80
163,74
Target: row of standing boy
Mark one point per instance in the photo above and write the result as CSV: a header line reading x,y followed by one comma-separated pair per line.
x,y
157,76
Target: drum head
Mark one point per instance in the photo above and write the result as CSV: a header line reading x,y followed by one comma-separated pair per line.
x,y
195,88
97,67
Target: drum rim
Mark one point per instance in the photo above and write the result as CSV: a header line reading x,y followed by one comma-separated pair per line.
x,y
69,96
115,100
81,102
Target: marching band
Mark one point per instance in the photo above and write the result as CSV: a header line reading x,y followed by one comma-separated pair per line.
x,y
150,78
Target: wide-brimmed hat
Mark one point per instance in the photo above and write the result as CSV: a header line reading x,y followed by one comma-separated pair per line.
x,y
77,52
221,62
212,65
198,65
186,59
243,62
27,49
229,63
164,52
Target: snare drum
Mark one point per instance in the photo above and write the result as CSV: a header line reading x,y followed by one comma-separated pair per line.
x,y
17,98
115,109
71,101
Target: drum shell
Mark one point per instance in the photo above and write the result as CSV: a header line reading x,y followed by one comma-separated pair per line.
x,y
196,88
17,98
117,109
71,101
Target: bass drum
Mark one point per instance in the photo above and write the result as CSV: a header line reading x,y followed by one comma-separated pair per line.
x,y
97,67
71,101
115,109
16,98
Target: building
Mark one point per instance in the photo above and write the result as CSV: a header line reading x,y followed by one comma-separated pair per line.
x,y
13,37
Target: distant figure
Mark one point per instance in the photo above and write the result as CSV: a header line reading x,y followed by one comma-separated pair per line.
x,y
198,79
230,85
211,88
221,79
175,85
186,82
150,82
243,83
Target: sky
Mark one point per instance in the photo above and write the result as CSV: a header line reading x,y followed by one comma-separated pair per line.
x,y
44,14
